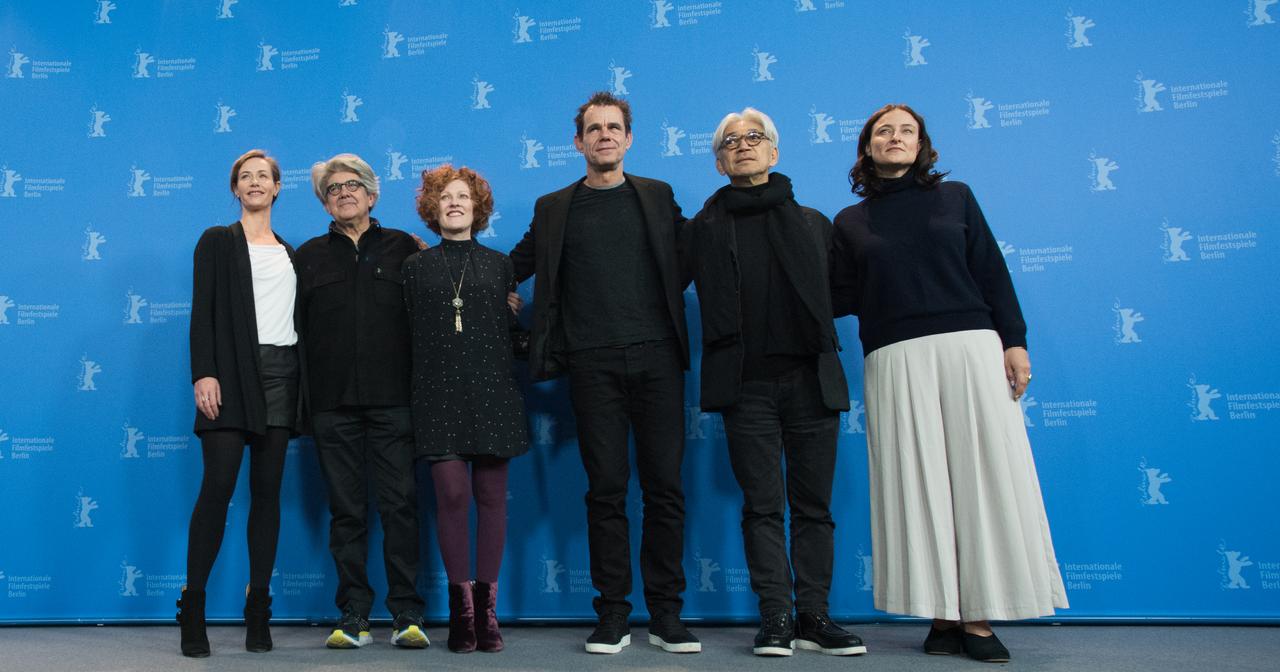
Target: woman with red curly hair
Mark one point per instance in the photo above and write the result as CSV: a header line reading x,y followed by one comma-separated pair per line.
x,y
468,414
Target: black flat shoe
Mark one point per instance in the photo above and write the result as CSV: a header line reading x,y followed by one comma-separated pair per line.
x,y
948,642
986,649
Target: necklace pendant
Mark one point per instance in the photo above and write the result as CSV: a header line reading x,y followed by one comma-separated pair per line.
x,y
457,322
456,302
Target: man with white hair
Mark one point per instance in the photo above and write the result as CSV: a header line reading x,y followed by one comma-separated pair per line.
x,y
355,334
770,368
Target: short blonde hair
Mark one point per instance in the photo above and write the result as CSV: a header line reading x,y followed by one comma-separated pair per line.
x,y
254,154
348,163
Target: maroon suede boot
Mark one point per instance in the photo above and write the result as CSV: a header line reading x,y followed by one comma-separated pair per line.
x,y
462,618
488,637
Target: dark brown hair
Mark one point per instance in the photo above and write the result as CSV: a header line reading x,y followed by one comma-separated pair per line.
x,y
434,182
863,177
255,154
604,98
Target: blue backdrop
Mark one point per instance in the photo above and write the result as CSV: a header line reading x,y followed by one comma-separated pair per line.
x,y
1127,157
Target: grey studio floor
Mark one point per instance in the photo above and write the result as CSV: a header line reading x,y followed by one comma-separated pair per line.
x,y
893,647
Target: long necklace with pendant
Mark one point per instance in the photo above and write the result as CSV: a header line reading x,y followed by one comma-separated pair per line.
x,y
457,288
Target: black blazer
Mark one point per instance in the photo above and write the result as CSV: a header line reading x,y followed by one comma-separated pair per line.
x,y
224,329
538,253
708,253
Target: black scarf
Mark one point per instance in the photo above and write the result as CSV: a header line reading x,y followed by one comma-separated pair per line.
x,y
759,198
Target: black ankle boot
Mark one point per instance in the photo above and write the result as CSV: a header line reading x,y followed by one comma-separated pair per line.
x,y
257,612
195,641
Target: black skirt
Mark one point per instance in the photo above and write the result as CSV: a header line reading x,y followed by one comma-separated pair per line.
x,y
279,373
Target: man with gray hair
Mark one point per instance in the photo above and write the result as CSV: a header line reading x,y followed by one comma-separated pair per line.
x,y
355,334
770,368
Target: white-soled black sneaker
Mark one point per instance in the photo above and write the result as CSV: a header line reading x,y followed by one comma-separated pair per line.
x,y
352,632
816,632
611,635
669,634
776,636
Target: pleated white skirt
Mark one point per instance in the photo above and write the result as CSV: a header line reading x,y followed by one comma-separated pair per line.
x,y
958,525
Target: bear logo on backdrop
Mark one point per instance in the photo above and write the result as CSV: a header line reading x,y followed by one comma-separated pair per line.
x,y
805,6
92,241
4,436
1259,12
10,179
707,567
88,369
1230,568
17,59
5,304
1025,402
129,446
915,49
102,13
1147,90
96,120
1100,169
523,24
224,8
1202,397
265,53
133,305
618,76
349,104
137,180
395,161
1174,237
1125,319
480,91
529,148
391,43
978,108
1152,479
141,63
865,571
760,62
695,423
222,122
851,420
544,425
671,137
85,505
1076,27
818,134
549,575
659,15
129,575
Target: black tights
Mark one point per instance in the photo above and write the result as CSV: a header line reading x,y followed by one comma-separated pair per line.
x,y
223,450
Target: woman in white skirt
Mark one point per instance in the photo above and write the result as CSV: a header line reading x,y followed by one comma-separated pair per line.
x,y
959,532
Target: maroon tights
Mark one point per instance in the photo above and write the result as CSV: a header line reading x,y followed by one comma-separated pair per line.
x,y
457,482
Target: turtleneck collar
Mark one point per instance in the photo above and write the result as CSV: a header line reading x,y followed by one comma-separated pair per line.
x,y
896,184
456,244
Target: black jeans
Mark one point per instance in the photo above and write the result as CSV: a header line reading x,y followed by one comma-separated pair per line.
x,y
773,419
354,443
637,388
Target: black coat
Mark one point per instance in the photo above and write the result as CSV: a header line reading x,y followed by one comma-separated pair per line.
x,y
224,329
708,253
539,253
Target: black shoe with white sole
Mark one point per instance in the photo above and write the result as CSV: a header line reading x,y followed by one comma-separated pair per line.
x,y
816,632
611,635
776,636
669,634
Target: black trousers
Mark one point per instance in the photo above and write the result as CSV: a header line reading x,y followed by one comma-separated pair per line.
x,y
618,391
355,443
772,420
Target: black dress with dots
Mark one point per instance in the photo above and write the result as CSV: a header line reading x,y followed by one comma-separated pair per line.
x,y
465,400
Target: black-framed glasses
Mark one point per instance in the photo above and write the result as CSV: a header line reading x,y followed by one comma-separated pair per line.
x,y
752,139
336,187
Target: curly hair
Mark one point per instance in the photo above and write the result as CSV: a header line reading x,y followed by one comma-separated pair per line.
x,y
864,179
433,183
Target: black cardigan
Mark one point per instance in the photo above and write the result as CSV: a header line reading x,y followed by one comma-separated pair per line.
x,y
224,329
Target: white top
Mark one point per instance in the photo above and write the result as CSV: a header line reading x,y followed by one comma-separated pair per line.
x,y
274,287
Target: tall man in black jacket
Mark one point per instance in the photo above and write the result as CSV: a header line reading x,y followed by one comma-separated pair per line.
x,y
609,311
355,333
769,366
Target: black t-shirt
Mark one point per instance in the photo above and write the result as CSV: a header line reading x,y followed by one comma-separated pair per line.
x,y
610,285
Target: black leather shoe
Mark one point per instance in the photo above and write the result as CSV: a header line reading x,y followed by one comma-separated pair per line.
x,y
776,636
816,632
985,649
948,642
